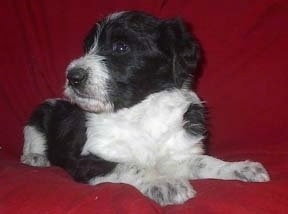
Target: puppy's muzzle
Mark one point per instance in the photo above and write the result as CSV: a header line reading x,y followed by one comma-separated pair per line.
x,y
77,77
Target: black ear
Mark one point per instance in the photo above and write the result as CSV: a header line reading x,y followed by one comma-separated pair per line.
x,y
90,38
178,43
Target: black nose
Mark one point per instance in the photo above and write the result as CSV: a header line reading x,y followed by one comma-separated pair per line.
x,y
77,76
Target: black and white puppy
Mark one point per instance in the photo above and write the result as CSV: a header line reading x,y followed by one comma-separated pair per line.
x,y
132,116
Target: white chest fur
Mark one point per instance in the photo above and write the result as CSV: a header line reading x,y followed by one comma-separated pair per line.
x,y
146,133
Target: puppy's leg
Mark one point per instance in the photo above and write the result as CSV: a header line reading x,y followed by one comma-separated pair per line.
x,y
83,168
168,191
203,166
34,148
162,189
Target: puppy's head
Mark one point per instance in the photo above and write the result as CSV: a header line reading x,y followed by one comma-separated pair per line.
x,y
128,56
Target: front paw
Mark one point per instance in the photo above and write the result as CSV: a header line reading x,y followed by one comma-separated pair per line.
x,y
169,192
249,171
34,159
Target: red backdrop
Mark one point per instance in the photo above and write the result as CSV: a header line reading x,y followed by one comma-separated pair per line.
x,y
244,84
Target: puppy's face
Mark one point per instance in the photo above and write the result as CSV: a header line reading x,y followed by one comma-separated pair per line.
x,y
128,56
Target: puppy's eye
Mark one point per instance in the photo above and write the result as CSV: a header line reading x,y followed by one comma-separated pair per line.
x,y
120,47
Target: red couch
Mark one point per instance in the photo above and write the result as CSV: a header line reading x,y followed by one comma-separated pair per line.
x,y
245,83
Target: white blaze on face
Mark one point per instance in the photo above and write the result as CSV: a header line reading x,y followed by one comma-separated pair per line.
x,y
93,96
115,15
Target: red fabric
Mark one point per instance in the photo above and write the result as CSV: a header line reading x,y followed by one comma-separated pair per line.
x,y
244,82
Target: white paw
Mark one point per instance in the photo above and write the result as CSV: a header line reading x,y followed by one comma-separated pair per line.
x,y
249,171
34,159
170,192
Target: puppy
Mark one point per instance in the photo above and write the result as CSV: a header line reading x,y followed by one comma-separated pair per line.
x,y
131,116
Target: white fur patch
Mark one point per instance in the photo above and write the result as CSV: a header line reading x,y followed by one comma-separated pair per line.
x,y
34,148
115,15
34,141
145,134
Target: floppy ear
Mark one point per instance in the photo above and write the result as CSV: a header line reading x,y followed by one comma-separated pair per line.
x,y
182,47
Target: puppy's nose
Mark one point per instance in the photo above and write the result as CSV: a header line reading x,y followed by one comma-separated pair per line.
x,y
77,76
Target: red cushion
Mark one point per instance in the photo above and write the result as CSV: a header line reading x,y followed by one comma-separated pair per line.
x,y
244,83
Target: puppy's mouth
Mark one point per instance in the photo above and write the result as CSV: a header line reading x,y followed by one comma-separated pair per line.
x,y
88,102
80,94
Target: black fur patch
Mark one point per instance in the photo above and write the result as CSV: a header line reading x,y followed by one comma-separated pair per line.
x,y
195,120
63,125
